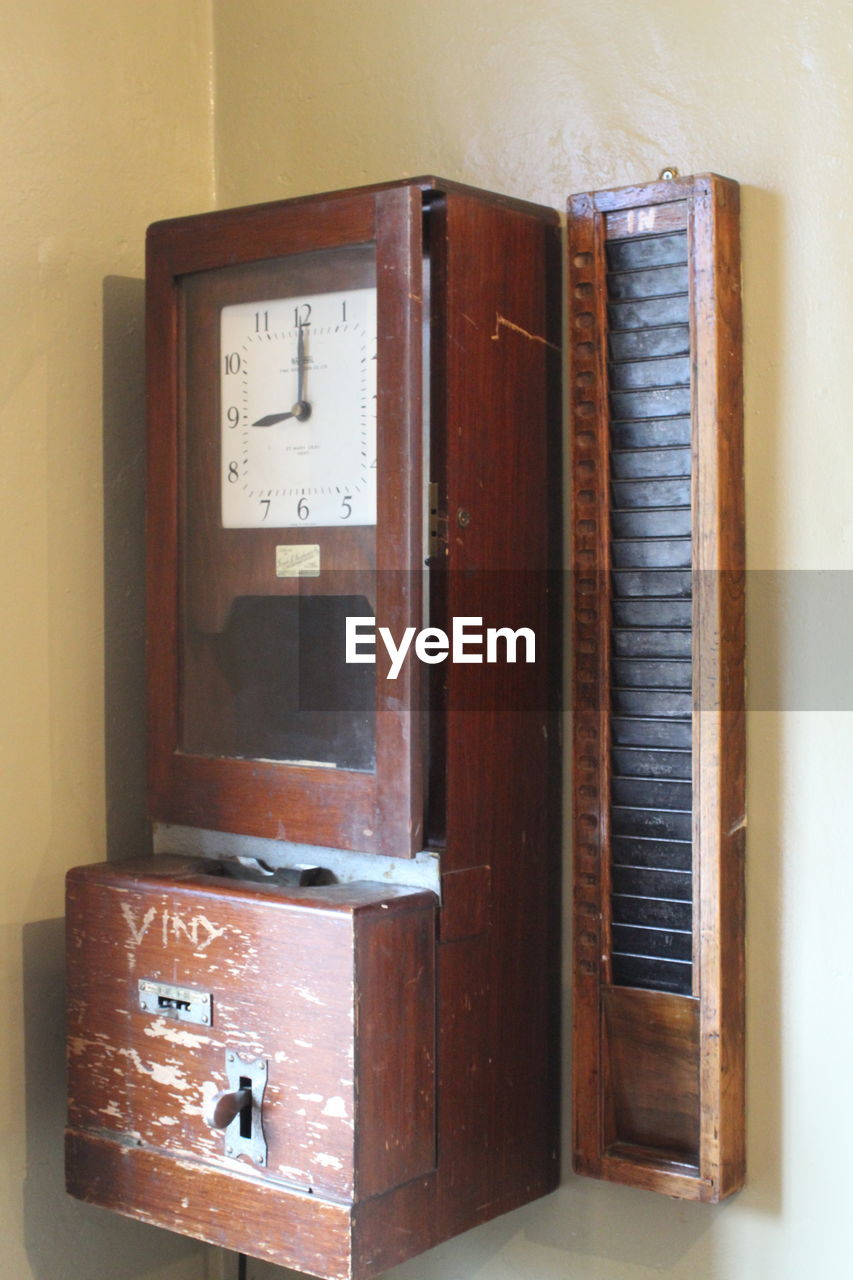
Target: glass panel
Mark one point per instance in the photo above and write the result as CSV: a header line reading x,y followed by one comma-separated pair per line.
x,y
278,509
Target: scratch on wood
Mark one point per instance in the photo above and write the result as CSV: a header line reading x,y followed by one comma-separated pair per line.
x,y
502,322
198,931
308,995
137,932
740,825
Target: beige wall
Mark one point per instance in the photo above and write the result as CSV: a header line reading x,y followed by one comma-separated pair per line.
x,y
108,112
106,123
541,98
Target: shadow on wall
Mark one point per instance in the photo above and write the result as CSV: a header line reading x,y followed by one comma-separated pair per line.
x,y
128,832
64,1239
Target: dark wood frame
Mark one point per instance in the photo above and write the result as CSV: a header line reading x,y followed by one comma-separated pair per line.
x,y
696,1042
375,813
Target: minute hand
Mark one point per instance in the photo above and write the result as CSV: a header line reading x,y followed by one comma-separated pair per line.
x,y
302,409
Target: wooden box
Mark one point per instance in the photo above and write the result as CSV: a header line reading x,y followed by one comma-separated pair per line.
x,y
332,987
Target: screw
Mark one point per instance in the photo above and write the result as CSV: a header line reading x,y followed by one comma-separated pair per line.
x,y
669,173
463,517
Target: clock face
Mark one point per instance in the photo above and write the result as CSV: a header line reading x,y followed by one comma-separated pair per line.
x,y
298,411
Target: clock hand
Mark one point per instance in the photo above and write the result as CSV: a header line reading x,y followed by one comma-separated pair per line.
x,y
300,364
302,409
272,418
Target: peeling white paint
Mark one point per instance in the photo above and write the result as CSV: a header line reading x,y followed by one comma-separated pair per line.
x,y
161,1072
329,1162
336,1107
175,1035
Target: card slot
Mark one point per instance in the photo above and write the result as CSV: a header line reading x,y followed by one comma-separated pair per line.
x,y
640,850
652,882
647,731
663,522
661,371
655,975
649,494
651,643
647,282
648,313
651,913
652,583
657,703
650,433
648,343
652,762
653,403
659,613
652,793
658,824
636,252
651,553
665,944
652,673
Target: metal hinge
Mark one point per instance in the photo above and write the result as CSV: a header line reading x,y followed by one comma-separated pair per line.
x,y
437,524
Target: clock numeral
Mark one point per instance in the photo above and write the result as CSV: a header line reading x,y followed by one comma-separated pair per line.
x,y
344,309
265,503
233,474
302,314
302,509
262,321
233,416
232,362
346,506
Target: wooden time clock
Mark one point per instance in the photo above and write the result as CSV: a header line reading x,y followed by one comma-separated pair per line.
x,y
320,1026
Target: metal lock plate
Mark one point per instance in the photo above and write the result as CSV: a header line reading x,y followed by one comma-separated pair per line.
x,y
244,1136
181,1003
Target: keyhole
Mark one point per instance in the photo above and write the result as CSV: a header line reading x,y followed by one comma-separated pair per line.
x,y
246,1113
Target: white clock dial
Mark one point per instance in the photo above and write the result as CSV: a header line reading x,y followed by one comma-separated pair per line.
x,y
298,405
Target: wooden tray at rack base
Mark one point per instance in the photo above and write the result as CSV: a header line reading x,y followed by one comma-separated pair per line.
x,y
658,696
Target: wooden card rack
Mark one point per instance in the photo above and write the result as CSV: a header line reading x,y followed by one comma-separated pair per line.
x,y
659,825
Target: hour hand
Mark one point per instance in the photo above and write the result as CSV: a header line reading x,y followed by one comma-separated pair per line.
x,y
272,418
